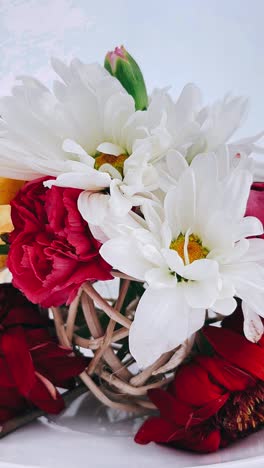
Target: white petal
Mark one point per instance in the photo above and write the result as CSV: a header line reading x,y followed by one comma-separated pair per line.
x,y
153,217
118,203
255,252
124,255
217,233
91,180
98,233
176,164
70,146
180,204
160,278
114,226
166,236
162,321
173,259
171,213
248,227
205,168
93,207
223,161
186,202
253,326
233,254
110,148
188,102
111,170
224,306
200,270
153,255
235,190
248,280
223,118
250,274
201,293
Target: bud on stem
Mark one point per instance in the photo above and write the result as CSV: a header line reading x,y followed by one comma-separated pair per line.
x,y
122,66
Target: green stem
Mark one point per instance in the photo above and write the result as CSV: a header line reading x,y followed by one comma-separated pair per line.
x,y
4,249
29,416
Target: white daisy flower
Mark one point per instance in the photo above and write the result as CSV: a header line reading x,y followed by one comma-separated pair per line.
x,y
86,134
171,167
193,253
194,129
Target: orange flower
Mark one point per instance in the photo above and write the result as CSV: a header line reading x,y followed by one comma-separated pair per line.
x,y
8,189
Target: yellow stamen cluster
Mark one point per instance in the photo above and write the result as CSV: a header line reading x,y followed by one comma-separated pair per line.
x,y
244,412
116,161
196,251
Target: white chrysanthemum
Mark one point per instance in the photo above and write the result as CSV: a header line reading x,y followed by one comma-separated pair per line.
x,y
193,253
194,129
171,167
86,134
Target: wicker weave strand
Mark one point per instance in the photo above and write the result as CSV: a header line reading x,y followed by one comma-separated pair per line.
x,y
117,388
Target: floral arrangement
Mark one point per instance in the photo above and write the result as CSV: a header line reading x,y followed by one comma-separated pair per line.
x,y
101,181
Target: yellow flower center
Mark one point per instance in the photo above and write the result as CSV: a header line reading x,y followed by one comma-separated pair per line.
x,y
116,161
195,248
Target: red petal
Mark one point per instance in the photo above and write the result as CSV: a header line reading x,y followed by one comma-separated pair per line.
x,y
235,321
18,359
170,408
201,442
193,386
223,372
11,403
57,364
155,430
42,398
208,410
237,349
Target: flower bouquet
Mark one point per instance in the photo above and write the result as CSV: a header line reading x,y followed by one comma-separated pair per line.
x,y
103,184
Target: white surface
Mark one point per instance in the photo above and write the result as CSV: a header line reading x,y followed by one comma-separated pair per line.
x,y
60,445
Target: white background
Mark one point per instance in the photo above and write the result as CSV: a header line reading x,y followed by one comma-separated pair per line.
x,y
216,43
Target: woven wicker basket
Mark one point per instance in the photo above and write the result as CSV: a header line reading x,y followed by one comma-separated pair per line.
x,y
109,375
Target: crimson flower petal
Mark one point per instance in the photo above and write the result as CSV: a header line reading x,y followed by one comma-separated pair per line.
x,y
170,408
41,397
155,430
237,349
14,346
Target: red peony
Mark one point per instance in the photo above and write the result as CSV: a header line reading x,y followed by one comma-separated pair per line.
x,y
52,249
214,399
255,205
32,364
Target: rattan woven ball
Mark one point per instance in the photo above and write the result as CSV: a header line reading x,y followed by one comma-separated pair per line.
x,y
112,374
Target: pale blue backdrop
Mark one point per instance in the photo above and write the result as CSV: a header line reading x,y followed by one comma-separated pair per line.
x,y
216,43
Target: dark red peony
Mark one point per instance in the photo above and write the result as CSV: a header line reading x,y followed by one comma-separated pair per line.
x,y
214,399
52,249
32,364
255,205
